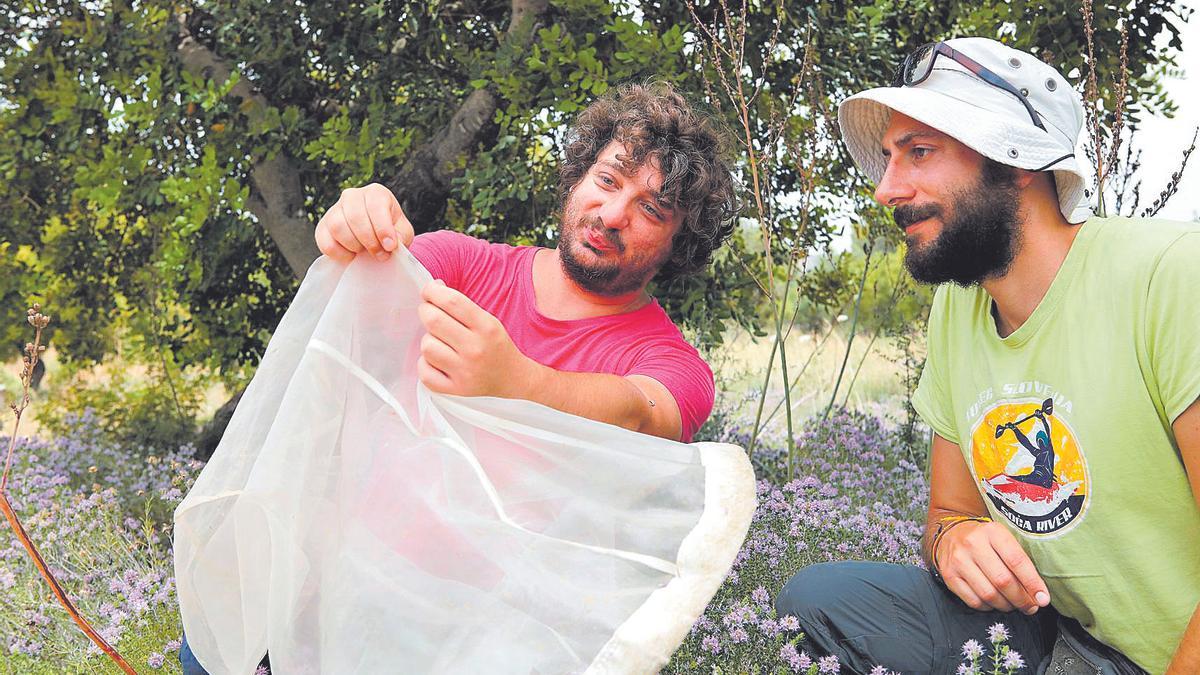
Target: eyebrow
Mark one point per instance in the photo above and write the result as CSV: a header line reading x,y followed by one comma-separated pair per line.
x,y
908,138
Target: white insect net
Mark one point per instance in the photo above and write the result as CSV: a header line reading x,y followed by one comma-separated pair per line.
x,y
352,522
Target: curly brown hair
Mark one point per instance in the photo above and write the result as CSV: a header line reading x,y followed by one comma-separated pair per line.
x,y
654,121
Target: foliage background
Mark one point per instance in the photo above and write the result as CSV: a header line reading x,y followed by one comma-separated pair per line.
x,y
163,165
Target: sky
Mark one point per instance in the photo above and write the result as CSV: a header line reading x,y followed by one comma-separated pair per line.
x,y
1162,141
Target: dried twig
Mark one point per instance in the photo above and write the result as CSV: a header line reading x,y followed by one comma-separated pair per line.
x,y
1173,184
33,352
1104,154
1091,95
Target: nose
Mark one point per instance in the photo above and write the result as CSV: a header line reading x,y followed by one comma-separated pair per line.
x,y
893,189
614,214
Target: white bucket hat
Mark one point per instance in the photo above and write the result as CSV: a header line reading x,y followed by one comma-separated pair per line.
x,y
984,117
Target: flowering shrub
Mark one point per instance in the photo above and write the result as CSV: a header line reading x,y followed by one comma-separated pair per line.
x,y
854,497
101,519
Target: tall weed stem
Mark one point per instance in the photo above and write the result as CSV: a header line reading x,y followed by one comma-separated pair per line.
x,y
33,352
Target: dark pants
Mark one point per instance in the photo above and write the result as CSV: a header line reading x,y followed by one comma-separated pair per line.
x,y
898,616
192,667
188,660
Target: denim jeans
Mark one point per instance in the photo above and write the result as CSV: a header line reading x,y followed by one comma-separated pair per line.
x,y
192,667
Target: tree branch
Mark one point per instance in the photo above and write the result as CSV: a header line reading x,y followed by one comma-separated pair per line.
x,y
276,194
423,184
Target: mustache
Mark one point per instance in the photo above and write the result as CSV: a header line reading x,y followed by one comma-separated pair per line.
x,y
610,235
908,213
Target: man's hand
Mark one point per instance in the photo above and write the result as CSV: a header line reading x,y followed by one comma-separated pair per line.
x,y
467,351
364,219
983,565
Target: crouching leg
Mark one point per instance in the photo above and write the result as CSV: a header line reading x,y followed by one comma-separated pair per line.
x,y
899,617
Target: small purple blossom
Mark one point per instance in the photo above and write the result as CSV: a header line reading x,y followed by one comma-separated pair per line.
x,y
788,655
997,633
971,649
155,660
1012,660
761,597
828,664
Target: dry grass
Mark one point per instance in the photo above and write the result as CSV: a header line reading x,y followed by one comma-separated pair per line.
x,y
877,379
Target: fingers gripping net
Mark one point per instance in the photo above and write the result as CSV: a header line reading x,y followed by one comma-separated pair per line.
x,y
351,521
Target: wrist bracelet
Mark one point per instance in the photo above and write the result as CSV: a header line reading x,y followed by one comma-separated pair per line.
x,y
944,525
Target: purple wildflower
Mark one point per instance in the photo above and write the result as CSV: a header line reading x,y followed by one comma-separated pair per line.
x,y
761,597
997,633
829,664
788,655
1013,660
971,649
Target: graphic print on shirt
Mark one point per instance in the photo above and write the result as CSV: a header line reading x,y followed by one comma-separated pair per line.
x,y
1030,467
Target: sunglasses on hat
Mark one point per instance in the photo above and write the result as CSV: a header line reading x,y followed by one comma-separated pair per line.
x,y
918,65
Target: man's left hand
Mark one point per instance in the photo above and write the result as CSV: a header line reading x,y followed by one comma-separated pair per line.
x,y
467,351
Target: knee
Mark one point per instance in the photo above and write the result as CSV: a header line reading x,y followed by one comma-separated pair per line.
x,y
814,590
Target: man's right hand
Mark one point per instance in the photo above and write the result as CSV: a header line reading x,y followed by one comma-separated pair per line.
x,y
364,219
983,565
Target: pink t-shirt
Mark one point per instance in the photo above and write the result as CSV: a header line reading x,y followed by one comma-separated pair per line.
x,y
499,278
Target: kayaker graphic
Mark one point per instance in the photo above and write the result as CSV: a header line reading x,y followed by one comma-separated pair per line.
x,y
1029,465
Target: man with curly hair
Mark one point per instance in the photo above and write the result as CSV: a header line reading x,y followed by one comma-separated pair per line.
x,y
645,191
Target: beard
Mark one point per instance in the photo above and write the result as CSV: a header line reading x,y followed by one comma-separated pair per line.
x,y
599,276
979,239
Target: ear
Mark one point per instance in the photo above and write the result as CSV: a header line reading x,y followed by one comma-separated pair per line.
x,y
1023,178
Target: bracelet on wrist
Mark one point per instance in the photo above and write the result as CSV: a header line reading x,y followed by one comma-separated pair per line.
x,y
944,525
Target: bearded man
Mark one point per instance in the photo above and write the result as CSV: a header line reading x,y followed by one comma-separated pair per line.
x,y
1043,315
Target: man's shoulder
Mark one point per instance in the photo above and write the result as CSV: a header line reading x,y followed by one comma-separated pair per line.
x,y
453,239
655,320
1141,240
448,244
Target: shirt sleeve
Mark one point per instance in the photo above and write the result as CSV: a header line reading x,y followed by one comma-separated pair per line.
x,y
930,399
679,368
448,255
1173,325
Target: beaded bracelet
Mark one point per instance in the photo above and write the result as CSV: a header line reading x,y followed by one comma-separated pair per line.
x,y
944,525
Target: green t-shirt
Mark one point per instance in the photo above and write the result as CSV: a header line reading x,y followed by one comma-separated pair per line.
x,y
1066,426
